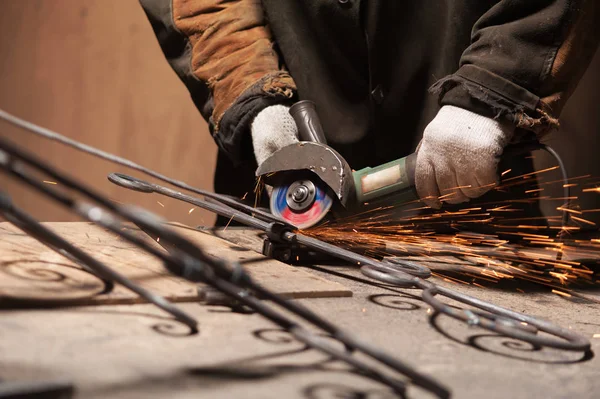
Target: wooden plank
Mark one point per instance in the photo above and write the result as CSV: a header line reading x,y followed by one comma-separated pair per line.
x,y
287,280
250,239
29,271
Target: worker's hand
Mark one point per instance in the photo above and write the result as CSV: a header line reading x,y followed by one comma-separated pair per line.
x,y
272,129
458,157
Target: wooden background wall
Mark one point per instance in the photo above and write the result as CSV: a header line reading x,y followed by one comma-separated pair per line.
x,y
92,70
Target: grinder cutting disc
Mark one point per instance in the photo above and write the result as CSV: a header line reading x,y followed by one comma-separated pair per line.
x,y
303,203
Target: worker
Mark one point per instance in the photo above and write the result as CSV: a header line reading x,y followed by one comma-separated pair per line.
x,y
457,80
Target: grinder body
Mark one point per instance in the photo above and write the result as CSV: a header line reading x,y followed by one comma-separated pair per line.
x,y
298,168
393,179
309,175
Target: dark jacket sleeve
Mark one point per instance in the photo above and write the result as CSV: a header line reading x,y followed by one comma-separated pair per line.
x,y
223,52
524,61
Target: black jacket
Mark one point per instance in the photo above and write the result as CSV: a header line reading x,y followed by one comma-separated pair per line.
x,y
378,70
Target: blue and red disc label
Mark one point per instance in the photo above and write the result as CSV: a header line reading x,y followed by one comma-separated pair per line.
x,y
305,219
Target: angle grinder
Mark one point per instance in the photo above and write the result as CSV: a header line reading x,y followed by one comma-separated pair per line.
x,y
309,177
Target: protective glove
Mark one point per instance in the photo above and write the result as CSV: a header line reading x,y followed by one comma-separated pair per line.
x,y
458,157
272,129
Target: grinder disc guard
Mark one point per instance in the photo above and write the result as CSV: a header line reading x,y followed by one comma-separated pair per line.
x,y
303,203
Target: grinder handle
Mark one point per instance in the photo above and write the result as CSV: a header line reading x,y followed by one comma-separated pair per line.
x,y
398,177
309,125
395,177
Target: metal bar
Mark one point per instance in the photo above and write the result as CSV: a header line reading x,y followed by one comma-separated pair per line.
x,y
41,233
190,262
402,274
51,135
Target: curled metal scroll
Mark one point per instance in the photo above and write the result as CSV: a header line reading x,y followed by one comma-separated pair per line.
x,y
403,274
187,260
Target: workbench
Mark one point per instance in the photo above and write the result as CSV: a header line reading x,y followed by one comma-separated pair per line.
x,y
113,347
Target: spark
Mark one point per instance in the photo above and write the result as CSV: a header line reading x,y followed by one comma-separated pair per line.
x,y
559,198
191,210
447,196
504,208
562,208
506,172
258,190
591,190
458,187
159,203
227,225
539,253
454,280
561,276
583,220
596,336
565,294
49,182
526,175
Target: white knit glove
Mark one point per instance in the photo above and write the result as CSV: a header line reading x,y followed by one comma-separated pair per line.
x,y
272,129
458,157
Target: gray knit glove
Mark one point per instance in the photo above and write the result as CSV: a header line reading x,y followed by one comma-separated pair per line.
x,y
272,129
458,157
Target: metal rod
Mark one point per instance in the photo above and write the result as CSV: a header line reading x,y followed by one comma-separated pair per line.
x,y
54,136
187,260
190,262
45,235
403,276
